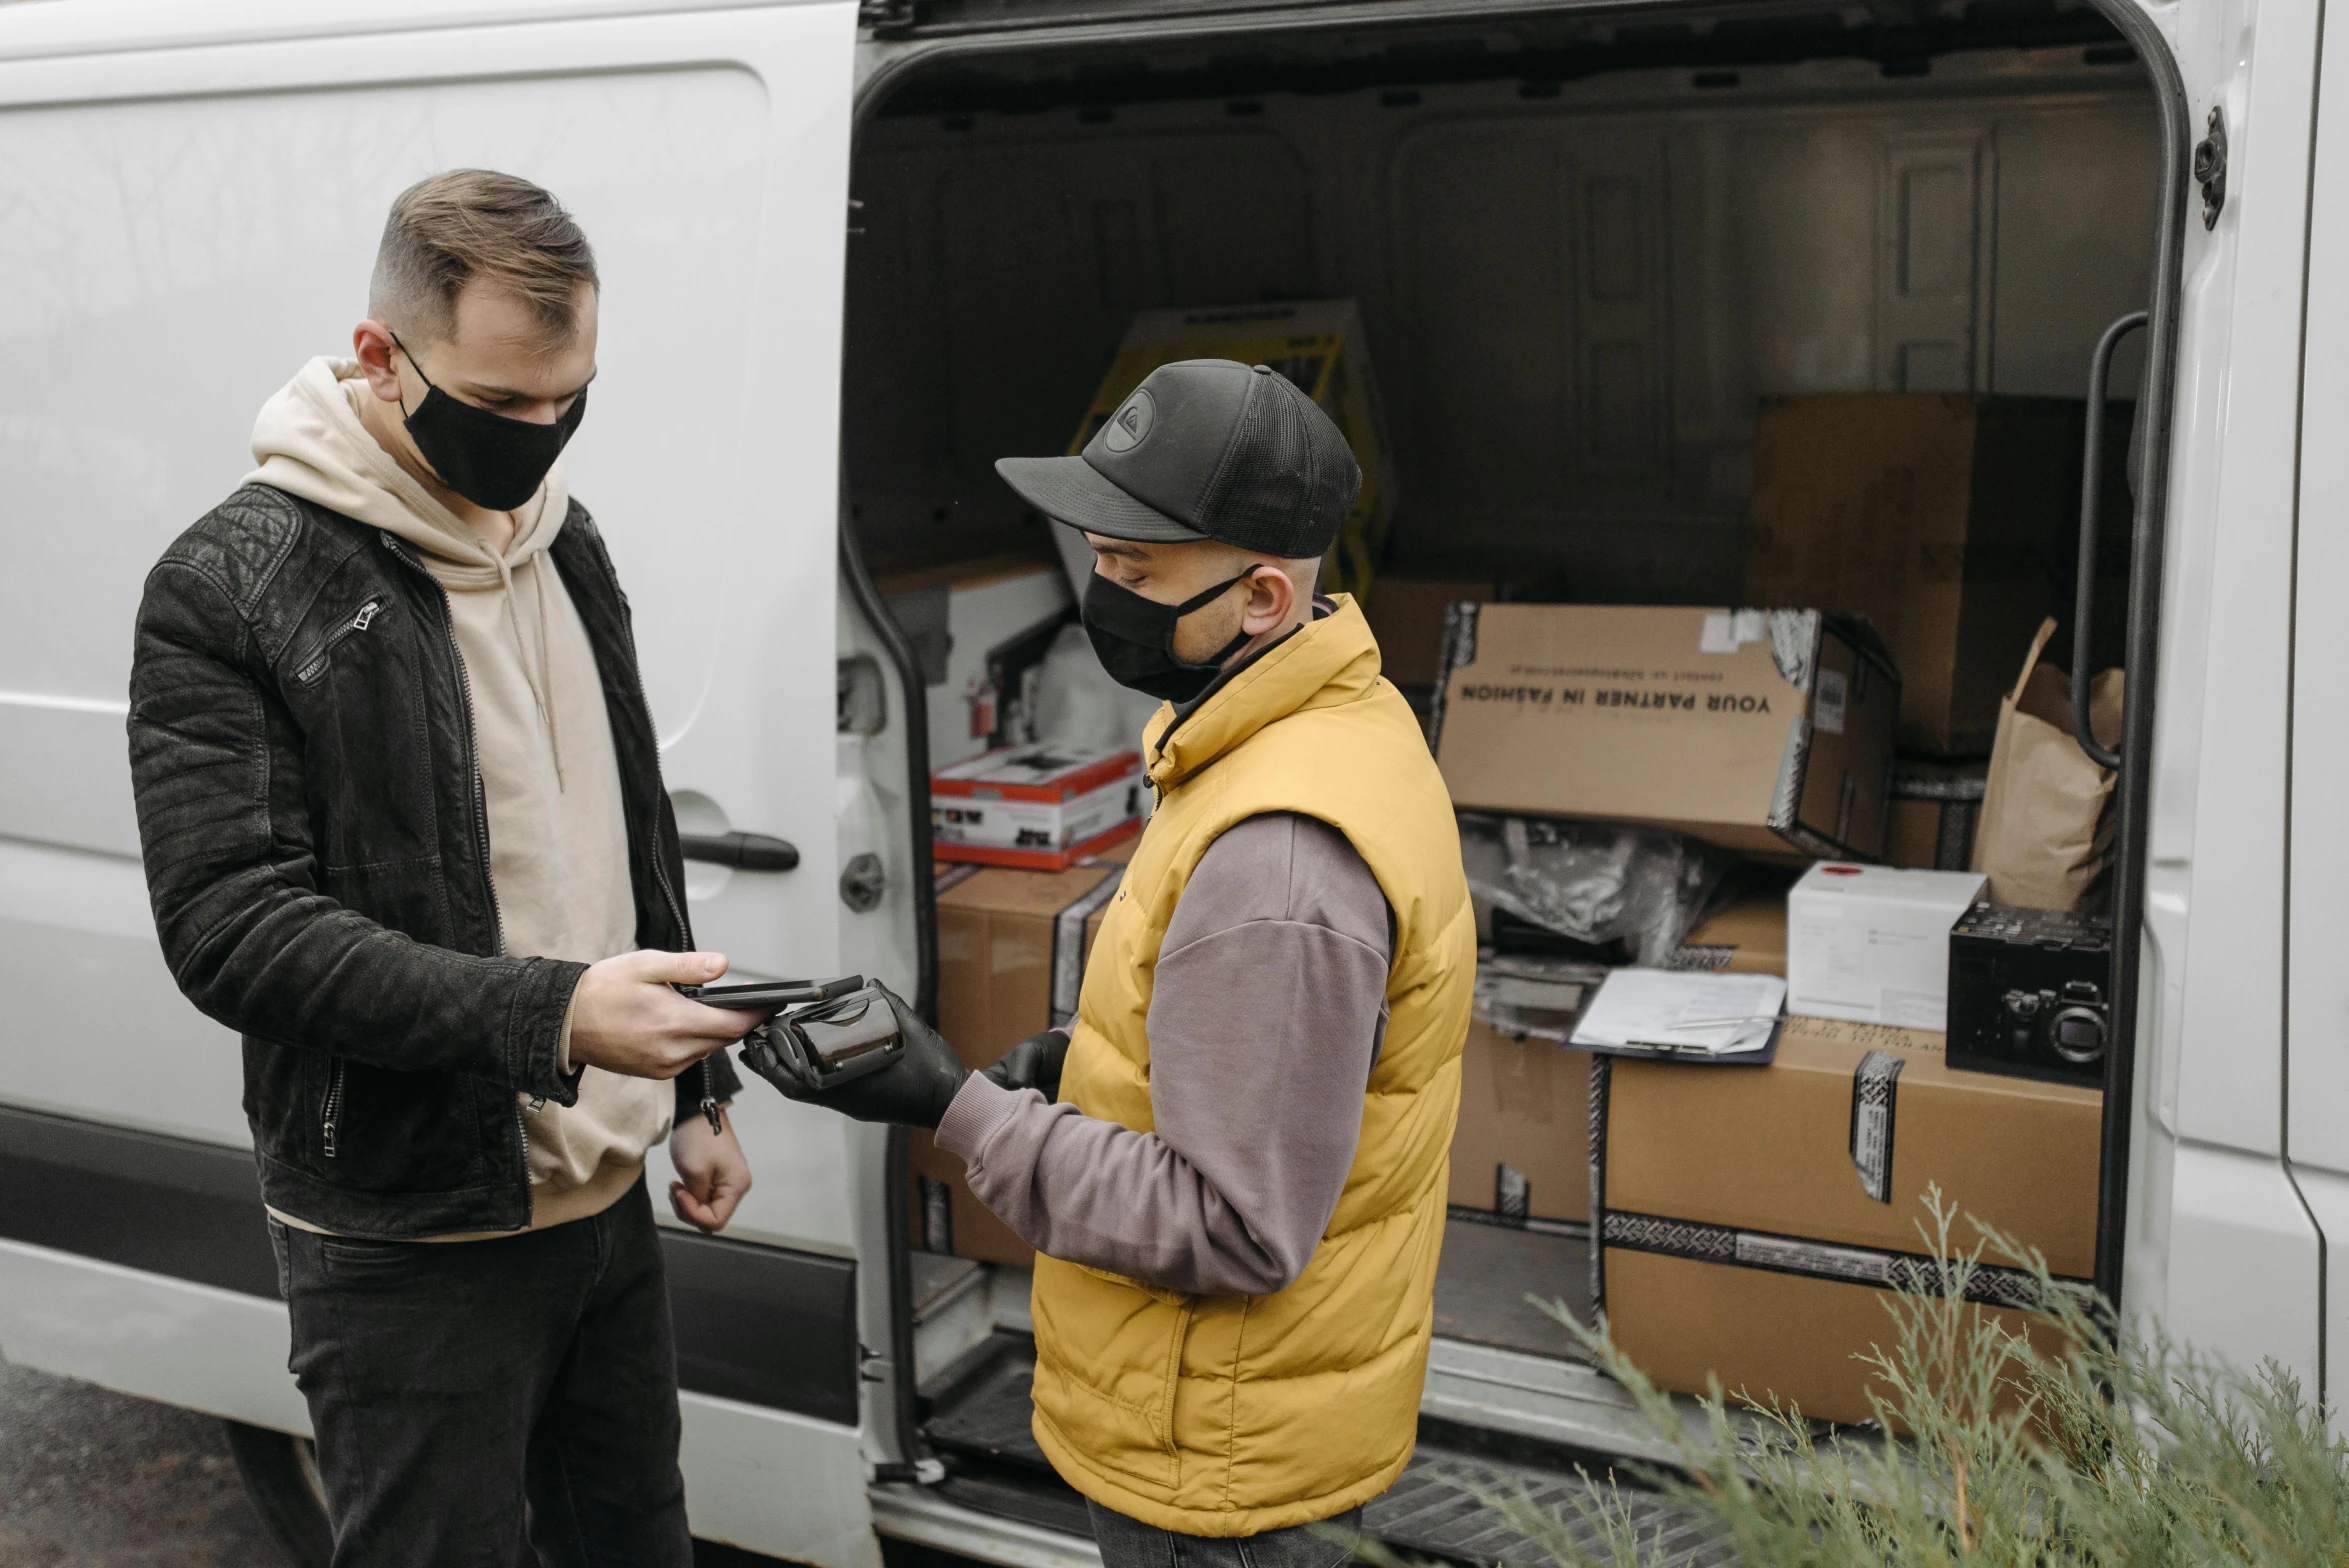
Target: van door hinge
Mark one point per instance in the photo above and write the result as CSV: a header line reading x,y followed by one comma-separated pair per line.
x,y
888,18
2210,167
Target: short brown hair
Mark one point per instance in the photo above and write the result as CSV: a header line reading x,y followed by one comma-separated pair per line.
x,y
469,223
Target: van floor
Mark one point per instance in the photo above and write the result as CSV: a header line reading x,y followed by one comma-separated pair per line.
x,y
1491,1276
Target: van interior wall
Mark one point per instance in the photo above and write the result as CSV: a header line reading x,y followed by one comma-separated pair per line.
x,y
1575,294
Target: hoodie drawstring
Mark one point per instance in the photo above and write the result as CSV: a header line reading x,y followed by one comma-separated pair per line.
x,y
542,673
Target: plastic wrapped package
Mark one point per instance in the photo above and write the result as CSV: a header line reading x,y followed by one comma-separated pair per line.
x,y
1530,996
1597,883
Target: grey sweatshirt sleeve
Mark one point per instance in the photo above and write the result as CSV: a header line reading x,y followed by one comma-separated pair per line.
x,y
1267,1012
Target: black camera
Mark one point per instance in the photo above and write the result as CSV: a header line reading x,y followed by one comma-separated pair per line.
x,y
2030,994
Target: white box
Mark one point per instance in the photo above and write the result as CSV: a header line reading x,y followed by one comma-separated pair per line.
x,y
1871,943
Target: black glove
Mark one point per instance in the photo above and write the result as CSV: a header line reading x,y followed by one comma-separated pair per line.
x,y
1034,1063
912,1091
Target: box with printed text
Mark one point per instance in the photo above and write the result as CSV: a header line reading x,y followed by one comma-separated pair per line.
x,y
1871,943
1039,806
1765,731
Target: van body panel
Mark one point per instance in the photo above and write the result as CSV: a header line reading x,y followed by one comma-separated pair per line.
x,y
2210,1068
2317,1055
2318,1114
2244,1263
199,185
216,210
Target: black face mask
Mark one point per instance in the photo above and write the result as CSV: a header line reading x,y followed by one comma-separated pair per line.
x,y
489,459
1134,637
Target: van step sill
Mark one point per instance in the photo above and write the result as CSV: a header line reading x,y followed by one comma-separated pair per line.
x,y
1434,1510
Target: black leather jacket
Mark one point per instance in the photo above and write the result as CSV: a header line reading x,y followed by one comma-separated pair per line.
x,y
317,851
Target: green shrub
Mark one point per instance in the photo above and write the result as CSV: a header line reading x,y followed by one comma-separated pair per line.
x,y
2113,1452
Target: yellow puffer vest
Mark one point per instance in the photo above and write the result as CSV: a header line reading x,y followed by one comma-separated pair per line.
x,y
1228,1415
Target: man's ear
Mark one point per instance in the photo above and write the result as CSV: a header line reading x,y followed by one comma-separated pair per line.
x,y
1272,596
371,342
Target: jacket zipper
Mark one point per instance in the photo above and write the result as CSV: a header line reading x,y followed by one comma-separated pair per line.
x,y
489,885
709,1098
312,666
330,1114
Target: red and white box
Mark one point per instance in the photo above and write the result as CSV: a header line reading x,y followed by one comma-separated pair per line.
x,y
1039,806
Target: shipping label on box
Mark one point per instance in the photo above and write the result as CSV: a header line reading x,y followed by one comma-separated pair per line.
x,y
1871,943
1320,346
1767,731
1039,806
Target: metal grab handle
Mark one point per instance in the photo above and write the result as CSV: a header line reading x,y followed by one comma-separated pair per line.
x,y
742,851
2092,471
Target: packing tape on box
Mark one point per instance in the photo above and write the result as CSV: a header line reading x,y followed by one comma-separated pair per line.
x,y
1908,1272
1875,1092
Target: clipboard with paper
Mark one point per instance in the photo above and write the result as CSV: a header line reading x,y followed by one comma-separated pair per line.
x,y
1687,1016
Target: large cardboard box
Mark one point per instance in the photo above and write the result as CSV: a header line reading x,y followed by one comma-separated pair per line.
x,y
1934,808
1522,1147
1752,1220
1948,520
1747,938
1011,954
1319,345
1767,731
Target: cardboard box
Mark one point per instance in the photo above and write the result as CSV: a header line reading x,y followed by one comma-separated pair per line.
x,y
1948,520
1934,808
1406,615
1871,943
1766,731
1038,806
1747,938
1011,955
1751,1222
1522,1147
1317,344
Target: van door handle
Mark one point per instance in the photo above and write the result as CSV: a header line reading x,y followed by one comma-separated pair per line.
x,y
742,851
2092,471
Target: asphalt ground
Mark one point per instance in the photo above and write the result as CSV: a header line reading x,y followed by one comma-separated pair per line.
x,y
95,1479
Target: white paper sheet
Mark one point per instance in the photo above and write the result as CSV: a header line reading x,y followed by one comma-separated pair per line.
x,y
1684,1012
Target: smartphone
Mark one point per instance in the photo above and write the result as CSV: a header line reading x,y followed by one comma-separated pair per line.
x,y
767,996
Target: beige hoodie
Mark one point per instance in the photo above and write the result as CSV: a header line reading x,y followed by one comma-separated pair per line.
x,y
558,839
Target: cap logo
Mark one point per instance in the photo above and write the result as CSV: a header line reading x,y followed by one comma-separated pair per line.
x,y
1130,426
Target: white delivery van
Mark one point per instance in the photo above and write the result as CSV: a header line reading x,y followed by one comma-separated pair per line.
x,y
853,254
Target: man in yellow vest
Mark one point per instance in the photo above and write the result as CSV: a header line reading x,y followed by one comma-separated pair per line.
x,y
1236,1180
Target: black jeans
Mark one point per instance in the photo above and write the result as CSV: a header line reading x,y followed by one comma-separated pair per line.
x,y
450,1381
1129,1543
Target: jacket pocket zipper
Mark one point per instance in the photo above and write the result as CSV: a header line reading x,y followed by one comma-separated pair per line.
x,y
330,1114
316,663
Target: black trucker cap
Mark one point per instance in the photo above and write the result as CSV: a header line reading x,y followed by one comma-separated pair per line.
x,y
1204,449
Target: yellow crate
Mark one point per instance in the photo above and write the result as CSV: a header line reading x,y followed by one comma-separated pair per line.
x,y
1317,344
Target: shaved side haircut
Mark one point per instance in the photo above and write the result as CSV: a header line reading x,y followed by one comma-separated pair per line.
x,y
475,223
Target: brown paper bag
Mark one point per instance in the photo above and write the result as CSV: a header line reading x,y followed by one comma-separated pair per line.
x,y
2045,837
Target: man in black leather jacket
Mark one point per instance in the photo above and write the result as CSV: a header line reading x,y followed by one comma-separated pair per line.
x,y
405,831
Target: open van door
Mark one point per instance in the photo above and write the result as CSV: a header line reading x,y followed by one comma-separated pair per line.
x,y
194,197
